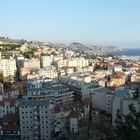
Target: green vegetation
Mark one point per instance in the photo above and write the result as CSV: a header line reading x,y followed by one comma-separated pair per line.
x,y
9,47
90,57
45,54
128,126
1,77
30,53
54,53
98,67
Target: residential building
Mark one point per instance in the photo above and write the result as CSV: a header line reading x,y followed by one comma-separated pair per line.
x,y
56,91
81,89
74,126
30,63
50,72
102,99
11,93
8,105
118,78
1,91
35,119
46,61
9,127
117,67
8,67
121,101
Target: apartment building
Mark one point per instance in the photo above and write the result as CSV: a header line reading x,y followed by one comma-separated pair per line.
x,y
46,61
9,105
121,101
57,92
49,71
8,67
35,119
81,89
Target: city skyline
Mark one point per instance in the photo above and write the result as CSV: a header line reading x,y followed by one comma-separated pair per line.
x,y
89,22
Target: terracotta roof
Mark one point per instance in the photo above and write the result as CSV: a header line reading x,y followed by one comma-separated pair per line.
x,y
9,90
117,64
73,114
11,122
57,109
106,64
76,104
118,75
103,79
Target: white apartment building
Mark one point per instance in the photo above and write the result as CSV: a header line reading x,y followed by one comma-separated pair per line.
x,y
8,67
46,61
50,72
75,62
29,63
35,119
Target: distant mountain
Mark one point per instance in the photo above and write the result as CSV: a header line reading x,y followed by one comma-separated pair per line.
x,y
82,47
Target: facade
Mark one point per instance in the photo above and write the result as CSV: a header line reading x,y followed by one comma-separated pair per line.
x,y
11,93
118,78
57,92
74,126
49,72
35,119
121,101
9,127
74,62
102,99
1,91
30,63
68,54
46,61
23,73
117,67
60,116
8,67
8,106
135,77
81,89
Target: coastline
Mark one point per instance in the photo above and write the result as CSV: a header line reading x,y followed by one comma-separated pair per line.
x,y
127,52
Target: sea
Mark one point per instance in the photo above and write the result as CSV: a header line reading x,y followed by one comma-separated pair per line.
x,y
129,52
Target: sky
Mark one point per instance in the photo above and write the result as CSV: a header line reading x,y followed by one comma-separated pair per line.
x,y
100,22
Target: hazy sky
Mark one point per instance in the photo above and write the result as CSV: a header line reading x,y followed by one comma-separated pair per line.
x,y
114,22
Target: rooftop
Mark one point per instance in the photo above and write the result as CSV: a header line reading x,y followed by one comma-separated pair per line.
x,y
33,103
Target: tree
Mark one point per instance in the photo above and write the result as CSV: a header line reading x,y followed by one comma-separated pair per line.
x,y
1,77
128,126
